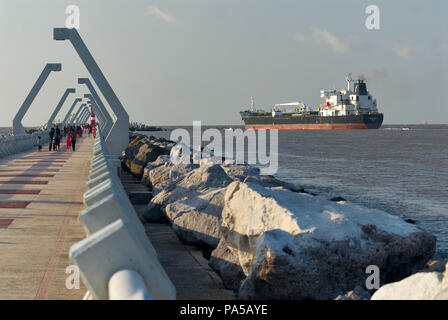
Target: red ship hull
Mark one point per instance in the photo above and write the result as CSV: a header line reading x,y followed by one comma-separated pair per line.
x,y
319,126
314,122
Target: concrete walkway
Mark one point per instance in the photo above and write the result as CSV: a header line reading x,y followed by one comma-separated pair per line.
x,y
41,195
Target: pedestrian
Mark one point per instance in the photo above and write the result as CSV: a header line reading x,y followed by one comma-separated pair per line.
x,y
51,133
57,139
69,143
39,144
73,140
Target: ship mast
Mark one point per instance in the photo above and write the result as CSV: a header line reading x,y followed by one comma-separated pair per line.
x,y
348,78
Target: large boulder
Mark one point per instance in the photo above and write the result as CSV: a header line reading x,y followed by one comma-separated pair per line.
x,y
143,150
146,153
225,262
239,172
197,220
297,246
184,181
192,198
358,293
161,161
419,286
130,152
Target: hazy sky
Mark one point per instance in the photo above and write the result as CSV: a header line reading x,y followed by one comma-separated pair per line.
x,y
171,62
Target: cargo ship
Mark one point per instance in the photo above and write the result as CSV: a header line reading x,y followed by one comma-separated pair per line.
x,y
351,108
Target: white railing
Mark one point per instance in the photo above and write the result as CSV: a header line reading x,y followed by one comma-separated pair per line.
x,y
18,143
116,260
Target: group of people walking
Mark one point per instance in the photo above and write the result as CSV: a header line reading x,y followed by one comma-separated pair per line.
x,y
70,132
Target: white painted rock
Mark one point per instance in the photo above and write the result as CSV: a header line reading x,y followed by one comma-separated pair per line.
x,y
419,286
297,246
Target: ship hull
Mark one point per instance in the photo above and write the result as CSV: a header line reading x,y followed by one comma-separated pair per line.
x,y
314,122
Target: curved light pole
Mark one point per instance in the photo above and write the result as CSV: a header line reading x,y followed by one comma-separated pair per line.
x,y
81,116
108,122
81,107
17,127
97,110
85,116
118,137
71,110
59,106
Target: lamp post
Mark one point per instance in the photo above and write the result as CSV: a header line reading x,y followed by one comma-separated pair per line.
x,y
17,127
118,138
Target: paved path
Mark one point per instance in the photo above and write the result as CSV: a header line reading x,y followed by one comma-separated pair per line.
x,y
40,198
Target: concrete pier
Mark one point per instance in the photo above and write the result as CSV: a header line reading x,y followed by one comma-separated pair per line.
x,y
41,195
68,229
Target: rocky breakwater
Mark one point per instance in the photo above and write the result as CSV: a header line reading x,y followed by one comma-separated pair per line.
x,y
268,239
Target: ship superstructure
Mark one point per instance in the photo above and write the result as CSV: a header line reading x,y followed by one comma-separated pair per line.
x,y
348,102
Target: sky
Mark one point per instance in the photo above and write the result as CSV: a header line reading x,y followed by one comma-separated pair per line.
x,y
175,61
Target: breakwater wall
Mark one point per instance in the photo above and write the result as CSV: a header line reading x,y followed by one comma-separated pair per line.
x,y
269,239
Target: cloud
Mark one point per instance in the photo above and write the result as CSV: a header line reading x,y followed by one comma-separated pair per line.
x,y
299,37
401,51
156,12
323,37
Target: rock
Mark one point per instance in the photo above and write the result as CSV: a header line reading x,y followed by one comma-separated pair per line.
x,y
158,177
192,198
160,161
410,221
165,177
132,150
337,199
153,213
268,181
146,153
419,286
297,246
182,153
197,220
187,181
141,151
239,172
359,293
437,263
342,297
224,260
